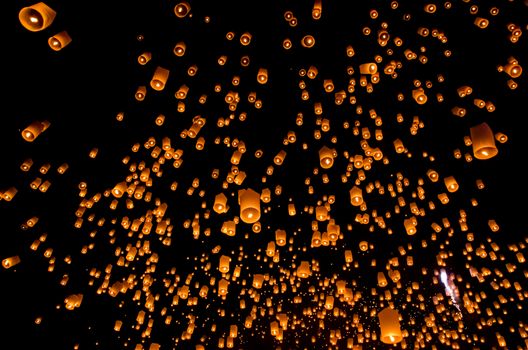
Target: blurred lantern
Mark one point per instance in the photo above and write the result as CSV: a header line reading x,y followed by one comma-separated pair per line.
x,y
304,270
419,96
317,9
245,39
368,68
262,76
182,9
9,194
258,280
382,280
410,226
73,301
321,213
308,41
10,262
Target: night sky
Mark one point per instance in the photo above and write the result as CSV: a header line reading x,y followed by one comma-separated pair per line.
x,y
150,258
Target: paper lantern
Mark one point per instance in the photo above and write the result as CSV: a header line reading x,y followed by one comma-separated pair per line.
x,y
280,237
223,265
356,196
368,68
419,96
10,262
316,239
308,41
179,49
382,280
34,129
223,287
317,9
329,302
36,17
249,202
59,41
144,58
432,175
410,226
258,280
262,76
182,9
9,194
390,326
304,270
451,184
73,301
326,157
321,213
279,158
245,38
140,93
513,69
483,142
159,79
220,204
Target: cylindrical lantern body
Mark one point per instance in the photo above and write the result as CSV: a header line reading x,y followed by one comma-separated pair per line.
x,y
368,68
159,79
249,202
59,41
390,326
326,157
220,203
223,265
483,142
304,269
33,130
36,17
356,196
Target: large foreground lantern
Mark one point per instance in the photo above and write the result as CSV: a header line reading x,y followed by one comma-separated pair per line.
x,y
390,326
483,142
36,17
249,202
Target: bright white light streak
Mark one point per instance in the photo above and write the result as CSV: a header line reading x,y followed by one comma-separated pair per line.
x,y
448,288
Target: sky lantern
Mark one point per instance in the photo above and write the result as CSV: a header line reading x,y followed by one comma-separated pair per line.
x,y
249,202
37,17
59,41
159,78
356,196
389,320
31,132
483,142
